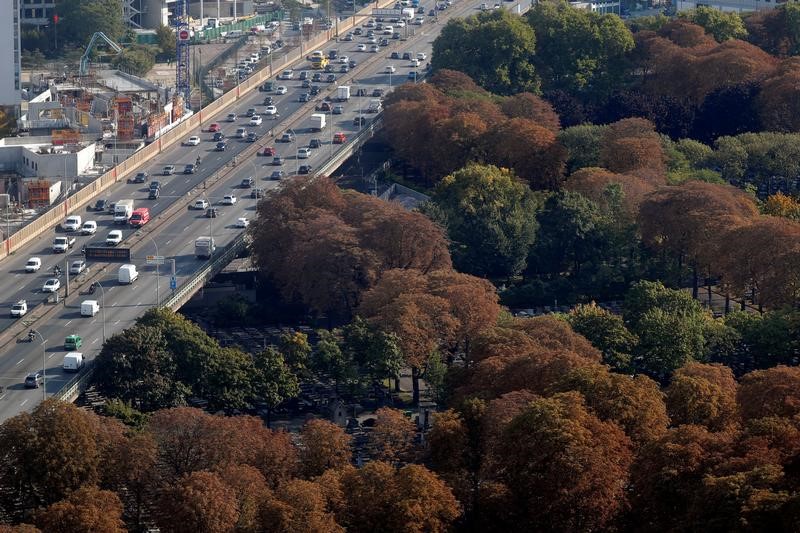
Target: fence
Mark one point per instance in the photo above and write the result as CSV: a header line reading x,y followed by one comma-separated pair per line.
x,y
54,215
243,25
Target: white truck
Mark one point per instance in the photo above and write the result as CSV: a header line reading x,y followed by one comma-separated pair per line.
x,y
408,13
19,309
62,244
343,93
123,210
73,362
89,307
204,247
127,274
374,106
317,121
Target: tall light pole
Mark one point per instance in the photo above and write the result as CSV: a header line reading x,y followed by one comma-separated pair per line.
x,y
158,277
44,360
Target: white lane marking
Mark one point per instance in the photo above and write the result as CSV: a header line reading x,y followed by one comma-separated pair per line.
x,y
51,355
68,323
187,227
155,204
18,362
138,303
23,403
3,396
117,322
16,275
114,304
169,241
94,341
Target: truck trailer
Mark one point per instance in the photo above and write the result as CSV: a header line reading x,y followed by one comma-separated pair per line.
x,y
204,247
123,210
318,122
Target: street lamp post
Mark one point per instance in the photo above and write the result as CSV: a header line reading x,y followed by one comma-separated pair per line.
x,y
32,333
158,276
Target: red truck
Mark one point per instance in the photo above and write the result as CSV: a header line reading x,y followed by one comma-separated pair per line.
x,y
140,217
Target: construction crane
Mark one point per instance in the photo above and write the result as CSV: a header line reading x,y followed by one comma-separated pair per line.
x,y
181,22
84,68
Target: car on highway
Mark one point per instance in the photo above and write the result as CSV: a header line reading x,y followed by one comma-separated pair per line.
x,y
330,78
247,183
339,138
390,69
251,137
33,380
303,75
344,69
314,90
304,169
304,97
316,77
315,143
214,127
374,48
359,121
153,194
189,168
219,136
421,56
194,140
114,237
268,151
256,120
77,267
140,177
51,285
168,170
343,60
271,110
241,133
414,63
303,153
221,146
231,117
200,204
412,75
407,55
384,42
89,227
251,111
277,175
267,86
281,89
257,193
286,75
395,55
212,212
228,199
277,161
33,264
242,222
348,37
325,107
432,13
19,309
328,68
377,93
100,205
155,185
306,84
287,137
269,100
338,110
361,47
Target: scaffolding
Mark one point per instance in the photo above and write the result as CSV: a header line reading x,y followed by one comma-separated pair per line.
x,y
123,108
38,193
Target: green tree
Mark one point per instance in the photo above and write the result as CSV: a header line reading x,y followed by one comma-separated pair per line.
x,y
436,378
494,49
578,50
136,366
723,25
273,379
583,145
329,359
166,40
229,383
491,219
376,352
607,332
79,19
296,350
136,60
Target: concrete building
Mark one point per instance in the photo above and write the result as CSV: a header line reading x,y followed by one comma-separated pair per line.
x,y
10,59
737,6
37,12
598,6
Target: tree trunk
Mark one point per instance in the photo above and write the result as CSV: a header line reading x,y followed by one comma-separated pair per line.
x,y
708,289
727,303
269,417
397,383
744,305
695,282
415,385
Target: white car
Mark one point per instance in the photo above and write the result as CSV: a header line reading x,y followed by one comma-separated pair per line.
x,y
255,120
114,237
89,227
372,40
361,47
51,285
77,266
414,63
421,56
374,48
200,204
242,222
389,69
281,89
286,75
344,60
192,141
303,153
271,110
169,170
400,24
228,199
231,117
33,264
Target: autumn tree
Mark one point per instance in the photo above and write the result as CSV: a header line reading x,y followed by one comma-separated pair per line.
x,y
298,505
780,205
632,146
132,468
490,217
721,25
493,48
251,491
564,467
86,509
702,394
777,110
392,438
770,392
594,182
324,445
531,107
775,30
199,501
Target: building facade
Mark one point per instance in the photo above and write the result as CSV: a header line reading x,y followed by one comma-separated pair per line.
x,y
37,12
10,59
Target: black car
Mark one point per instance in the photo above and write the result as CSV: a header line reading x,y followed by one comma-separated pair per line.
x,y
377,93
316,77
331,78
344,69
305,97
247,183
141,177
277,161
328,68
407,55
269,100
276,175
219,136
155,185
315,143
352,63
154,194
188,169
304,169
358,31
384,42
432,13
314,90
212,212
306,84
256,193
395,55
332,54
251,137
221,146
100,205
395,35
359,121
303,76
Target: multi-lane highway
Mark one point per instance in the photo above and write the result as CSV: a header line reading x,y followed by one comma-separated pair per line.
x,y
172,231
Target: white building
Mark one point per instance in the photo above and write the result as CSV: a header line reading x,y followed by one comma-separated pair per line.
x,y
738,6
598,6
10,60
38,157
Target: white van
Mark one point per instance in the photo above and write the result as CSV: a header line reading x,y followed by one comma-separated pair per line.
x,y
127,274
72,223
89,308
73,362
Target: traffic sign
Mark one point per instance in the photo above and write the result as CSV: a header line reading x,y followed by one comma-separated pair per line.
x,y
387,12
183,35
155,259
173,283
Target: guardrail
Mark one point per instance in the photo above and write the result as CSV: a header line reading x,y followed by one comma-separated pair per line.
x,y
360,138
74,387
